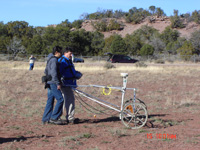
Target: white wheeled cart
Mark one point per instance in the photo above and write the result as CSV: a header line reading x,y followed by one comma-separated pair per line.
x,y
132,113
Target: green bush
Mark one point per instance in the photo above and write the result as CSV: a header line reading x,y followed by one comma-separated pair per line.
x,y
176,21
196,16
186,50
77,24
113,25
118,45
169,35
136,16
100,26
105,25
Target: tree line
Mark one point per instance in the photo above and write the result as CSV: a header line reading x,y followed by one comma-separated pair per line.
x,y
18,37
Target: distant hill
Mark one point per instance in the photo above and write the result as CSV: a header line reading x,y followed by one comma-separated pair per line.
x,y
158,23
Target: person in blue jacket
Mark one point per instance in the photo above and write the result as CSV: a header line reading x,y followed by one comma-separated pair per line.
x,y
54,89
68,76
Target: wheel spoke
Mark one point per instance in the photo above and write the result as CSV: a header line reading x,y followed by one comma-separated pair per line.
x,y
140,120
138,109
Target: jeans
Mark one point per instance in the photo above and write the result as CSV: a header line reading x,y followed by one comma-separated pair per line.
x,y
49,112
31,66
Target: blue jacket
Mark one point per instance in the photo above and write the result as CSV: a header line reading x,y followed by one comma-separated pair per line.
x,y
67,71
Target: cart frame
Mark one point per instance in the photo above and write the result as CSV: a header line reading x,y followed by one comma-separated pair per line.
x,y
133,114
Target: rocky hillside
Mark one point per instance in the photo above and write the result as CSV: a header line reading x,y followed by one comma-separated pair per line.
x,y
157,23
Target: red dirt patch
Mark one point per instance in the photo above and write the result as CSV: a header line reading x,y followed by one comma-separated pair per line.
x,y
160,24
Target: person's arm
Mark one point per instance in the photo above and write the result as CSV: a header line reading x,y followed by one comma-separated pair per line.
x,y
45,71
62,69
54,71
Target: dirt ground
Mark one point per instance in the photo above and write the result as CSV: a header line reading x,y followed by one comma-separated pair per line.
x,y
171,93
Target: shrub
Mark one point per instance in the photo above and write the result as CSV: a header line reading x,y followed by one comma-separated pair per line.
x,y
77,24
109,65
186,50
118,45
176,21
141,64
169,35
170,60
195,38
195,58
105,25
159,61
113,25
147,50
136,16
196,16
100,25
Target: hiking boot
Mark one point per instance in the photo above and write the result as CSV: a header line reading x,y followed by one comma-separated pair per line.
x,y
73,121
57,122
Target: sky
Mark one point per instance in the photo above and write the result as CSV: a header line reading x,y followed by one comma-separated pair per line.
x,y
47,12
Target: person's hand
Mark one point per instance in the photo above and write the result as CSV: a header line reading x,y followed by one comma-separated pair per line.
x,y
58,87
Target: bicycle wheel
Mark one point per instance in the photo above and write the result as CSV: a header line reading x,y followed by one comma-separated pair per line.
x,y
137,100
134,115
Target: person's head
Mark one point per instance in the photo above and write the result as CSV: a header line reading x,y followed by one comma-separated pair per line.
x,y
57,51
68,51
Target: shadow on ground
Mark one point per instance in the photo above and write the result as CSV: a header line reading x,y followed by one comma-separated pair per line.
x,y
19,139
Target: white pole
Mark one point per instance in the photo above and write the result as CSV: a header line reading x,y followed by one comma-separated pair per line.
x,y
125,78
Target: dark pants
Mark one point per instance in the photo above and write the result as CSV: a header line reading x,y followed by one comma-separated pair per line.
x,y
49,113
69,102
31,66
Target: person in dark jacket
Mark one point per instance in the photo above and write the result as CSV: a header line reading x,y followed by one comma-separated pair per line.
x,y
54,89
69,76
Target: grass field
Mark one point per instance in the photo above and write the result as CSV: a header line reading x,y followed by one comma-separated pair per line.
x,y
170,91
